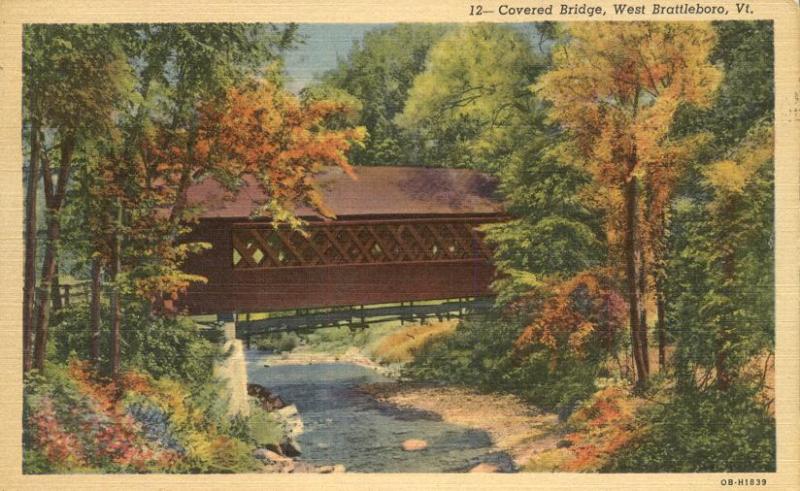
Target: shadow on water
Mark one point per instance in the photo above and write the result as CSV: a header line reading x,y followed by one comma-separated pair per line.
x,y
344,425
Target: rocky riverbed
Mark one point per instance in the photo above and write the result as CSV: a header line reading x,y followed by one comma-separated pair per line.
x,y
349,424
514,427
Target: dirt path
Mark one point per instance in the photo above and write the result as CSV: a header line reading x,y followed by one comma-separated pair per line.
x,y
515,427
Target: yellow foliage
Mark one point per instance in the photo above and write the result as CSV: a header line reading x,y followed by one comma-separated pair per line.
x,y
615,88
733,174
401,345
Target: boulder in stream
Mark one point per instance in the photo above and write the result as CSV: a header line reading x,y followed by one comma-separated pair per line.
x,y
273,461
484,467
266,399
290,447
266,455
413,445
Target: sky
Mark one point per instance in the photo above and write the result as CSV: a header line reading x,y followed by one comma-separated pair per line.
x,y
324,45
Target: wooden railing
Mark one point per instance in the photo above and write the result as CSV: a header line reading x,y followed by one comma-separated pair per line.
x,y
71,294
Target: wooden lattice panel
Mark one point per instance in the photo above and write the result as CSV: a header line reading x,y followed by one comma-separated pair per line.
x,y
345,243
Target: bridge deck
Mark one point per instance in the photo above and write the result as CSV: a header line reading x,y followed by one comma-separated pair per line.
x,y
360,316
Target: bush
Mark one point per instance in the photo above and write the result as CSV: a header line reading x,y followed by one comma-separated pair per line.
x,y
713,431
480,354
161,346
278,343
560,387
403,344
75,422
264,428
476,354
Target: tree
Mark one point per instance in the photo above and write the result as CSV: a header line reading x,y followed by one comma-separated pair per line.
x,y
744,101
77,75
721,277
179,66
258,129
264,131
615,89
472,100
97,92
379,72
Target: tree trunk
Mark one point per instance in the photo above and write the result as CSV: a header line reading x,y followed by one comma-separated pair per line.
x,y
29,288
661,327
43,305
643,342
115,298
58,302
633,263
55,200
94,312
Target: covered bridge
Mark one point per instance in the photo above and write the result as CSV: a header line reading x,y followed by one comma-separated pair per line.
x,y
401,234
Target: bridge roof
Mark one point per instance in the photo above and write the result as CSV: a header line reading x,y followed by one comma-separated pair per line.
x,y
377,191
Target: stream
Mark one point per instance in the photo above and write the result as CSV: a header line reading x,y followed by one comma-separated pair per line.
x,y
344,425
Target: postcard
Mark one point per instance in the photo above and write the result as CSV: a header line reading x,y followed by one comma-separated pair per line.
x,y
400,245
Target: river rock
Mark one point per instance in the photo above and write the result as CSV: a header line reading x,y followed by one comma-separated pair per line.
x,y
290,447
413,445
332,469
275,447
273,461
266,455
484,467
266,399
288,411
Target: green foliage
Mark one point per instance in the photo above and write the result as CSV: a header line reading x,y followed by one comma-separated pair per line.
x,y
480,354
745,49
74,75
477,354
181,65
556,235
161,346
379,73
557,388
34,462
714,431
714,311
278,343
263,427
472,102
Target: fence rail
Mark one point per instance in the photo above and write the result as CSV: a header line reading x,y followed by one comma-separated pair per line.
x,y
362,316
71,294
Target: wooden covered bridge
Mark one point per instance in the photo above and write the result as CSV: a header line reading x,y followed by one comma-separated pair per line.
x,y
401,234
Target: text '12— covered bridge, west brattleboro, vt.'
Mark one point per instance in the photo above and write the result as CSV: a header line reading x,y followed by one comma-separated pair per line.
x,y
401,234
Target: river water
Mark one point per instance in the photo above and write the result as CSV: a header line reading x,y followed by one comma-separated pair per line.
x,y
344,425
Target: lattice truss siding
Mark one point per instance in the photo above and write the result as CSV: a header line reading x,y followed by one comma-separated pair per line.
x,y
359,243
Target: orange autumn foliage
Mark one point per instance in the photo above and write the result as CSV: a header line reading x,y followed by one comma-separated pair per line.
x,y
602,426
262,130
259,129
584,313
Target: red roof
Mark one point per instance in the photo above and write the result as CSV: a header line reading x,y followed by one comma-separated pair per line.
x,y
377,191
